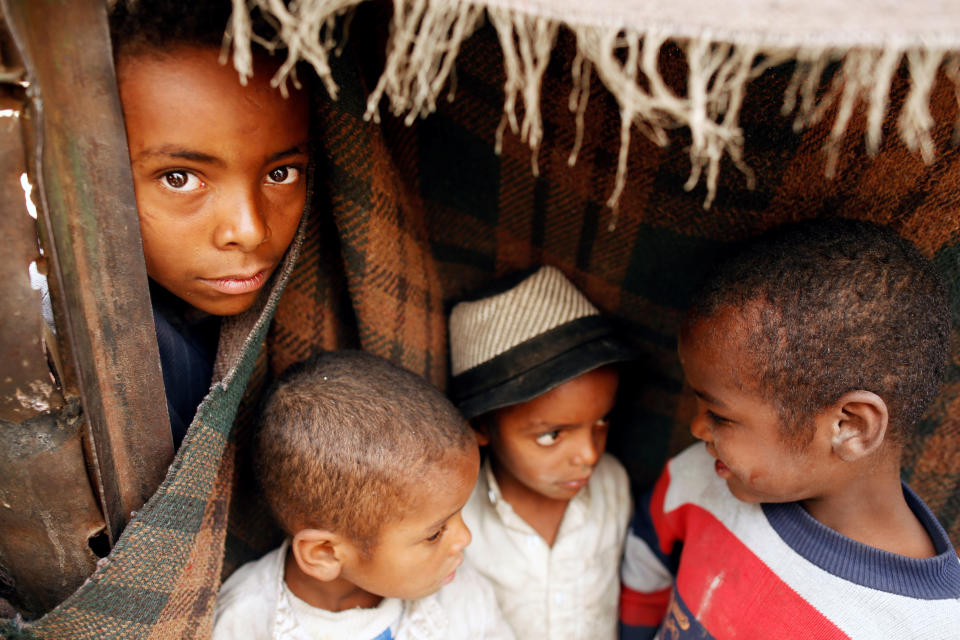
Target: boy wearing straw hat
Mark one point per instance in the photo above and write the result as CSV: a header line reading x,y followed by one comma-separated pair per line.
x,y
532,366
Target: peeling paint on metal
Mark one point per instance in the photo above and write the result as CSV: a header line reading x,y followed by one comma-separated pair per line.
x,y
37,398
28,195
52,534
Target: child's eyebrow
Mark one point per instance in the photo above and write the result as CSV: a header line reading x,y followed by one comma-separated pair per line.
x,y
703,395
441,521
540,425
180,153
296,149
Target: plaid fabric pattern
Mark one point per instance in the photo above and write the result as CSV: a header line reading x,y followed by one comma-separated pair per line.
x,y
410,219
161,579
480,215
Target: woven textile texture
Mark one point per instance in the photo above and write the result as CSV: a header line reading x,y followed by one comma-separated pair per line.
x,y
856,48
410,219
410,204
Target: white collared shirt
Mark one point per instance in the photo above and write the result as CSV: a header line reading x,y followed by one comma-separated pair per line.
x,y
253,604
570,590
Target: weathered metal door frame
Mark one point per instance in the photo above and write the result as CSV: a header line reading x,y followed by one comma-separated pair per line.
x,y
105,350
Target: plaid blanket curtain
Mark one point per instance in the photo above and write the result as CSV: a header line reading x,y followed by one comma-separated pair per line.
x,y
409,219
421,215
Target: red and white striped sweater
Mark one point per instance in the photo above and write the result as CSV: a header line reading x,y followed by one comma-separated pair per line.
x,y
701,564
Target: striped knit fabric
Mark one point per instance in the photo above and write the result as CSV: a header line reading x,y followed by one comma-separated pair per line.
x,y
483,329
473,216
413,218
700,564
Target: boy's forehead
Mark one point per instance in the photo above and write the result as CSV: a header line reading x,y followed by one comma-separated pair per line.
x,y
183,62
733,325
185,98
723,344
429,482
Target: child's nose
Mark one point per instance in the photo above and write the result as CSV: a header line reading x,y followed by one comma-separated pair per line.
x,y
461,534
700,429
589,448
242,224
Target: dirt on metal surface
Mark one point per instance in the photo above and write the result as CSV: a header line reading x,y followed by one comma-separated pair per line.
x,y
27,387
84,434
48,512
90,229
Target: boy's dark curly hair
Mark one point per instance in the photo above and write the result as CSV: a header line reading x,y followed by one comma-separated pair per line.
x,y
137,26
843,305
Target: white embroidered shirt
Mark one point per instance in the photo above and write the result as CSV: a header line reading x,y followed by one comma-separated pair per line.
x,y
566,592
254,604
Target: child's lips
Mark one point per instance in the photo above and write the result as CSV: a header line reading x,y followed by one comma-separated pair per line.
x,y
452,574
238,284
722,470
575,484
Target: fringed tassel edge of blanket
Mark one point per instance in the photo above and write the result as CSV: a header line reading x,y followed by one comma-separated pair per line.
x,y
426,36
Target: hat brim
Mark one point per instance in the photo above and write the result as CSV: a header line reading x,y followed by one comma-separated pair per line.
x,y
540,364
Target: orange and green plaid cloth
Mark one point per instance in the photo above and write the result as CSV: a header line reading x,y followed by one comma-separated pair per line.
x,y
408,219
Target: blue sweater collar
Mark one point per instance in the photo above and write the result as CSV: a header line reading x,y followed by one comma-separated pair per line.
x,y
933,578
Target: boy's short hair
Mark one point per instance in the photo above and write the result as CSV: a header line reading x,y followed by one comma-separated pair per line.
x,y
841,305
146,25
139,26
343,437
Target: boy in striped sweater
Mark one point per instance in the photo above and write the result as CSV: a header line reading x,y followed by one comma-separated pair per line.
x,y
812,355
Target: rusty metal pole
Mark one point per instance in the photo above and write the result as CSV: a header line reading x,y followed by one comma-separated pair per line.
x,y
48,512
90,232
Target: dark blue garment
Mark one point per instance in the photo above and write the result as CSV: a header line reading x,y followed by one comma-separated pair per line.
x,y
187,339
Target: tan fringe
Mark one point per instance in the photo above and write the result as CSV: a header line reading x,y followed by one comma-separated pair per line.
x,y
717,77
915,120
579,96
305,28
424,41
526,42
426,36
865,76
951,69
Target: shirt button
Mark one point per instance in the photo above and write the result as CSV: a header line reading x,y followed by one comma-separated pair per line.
x,y
531,541
558,598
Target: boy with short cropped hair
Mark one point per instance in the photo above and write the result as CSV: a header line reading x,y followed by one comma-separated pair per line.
x,y
220,174
533,366
366,467
812,355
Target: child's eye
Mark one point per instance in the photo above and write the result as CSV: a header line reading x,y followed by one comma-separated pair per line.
x,y
548,438
180,180
283,175
717,420
437,535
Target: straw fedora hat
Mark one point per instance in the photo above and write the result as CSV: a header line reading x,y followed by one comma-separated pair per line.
x,y
523,338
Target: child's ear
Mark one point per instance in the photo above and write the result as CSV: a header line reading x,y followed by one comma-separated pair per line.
x,y
316,552
481,430
858,424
